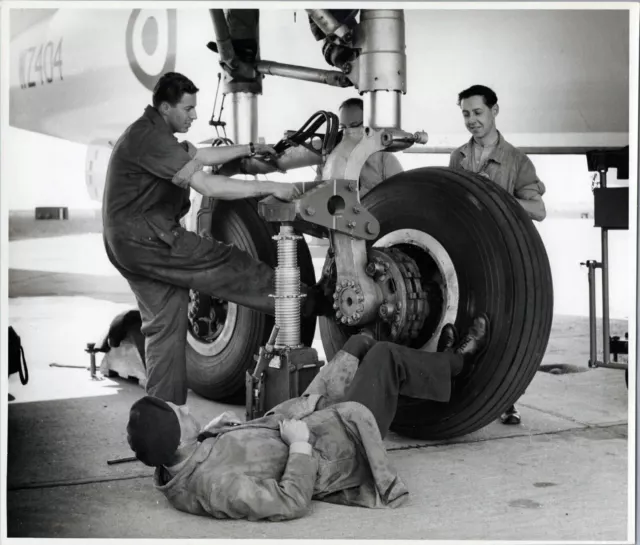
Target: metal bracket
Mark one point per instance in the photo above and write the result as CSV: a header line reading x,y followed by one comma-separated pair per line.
x,y
332,204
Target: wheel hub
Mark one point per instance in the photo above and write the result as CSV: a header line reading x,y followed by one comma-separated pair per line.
x,y
207,316
404,306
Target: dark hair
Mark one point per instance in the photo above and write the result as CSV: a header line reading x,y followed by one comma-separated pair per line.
x,y
489,97
352,102
170,88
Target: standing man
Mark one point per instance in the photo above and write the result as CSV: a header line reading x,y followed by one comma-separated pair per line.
x,y
381,165
487,153
147,189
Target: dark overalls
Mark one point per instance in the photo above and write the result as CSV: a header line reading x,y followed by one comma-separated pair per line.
x,y
161,260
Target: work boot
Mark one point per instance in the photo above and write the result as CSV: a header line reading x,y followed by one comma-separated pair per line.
x,y
473,344
448,338
511,417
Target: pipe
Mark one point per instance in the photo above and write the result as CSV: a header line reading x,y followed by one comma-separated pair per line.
x,y
605,282
382,110
382,66
316,75
244,117
228,58
223,37
593,339
327,22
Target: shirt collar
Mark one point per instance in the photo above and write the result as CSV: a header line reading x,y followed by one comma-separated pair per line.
x,y
497,153
153,115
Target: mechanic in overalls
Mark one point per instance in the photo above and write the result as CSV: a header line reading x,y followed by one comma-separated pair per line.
x,y
146,193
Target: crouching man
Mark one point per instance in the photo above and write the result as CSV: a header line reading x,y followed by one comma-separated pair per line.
x,y
325,445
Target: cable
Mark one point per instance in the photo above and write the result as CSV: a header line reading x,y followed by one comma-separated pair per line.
x,y
309,130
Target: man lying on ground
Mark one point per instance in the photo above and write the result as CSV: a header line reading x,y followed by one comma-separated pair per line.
x,y
326,444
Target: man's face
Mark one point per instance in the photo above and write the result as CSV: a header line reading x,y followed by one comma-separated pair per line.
x,y
189,427
479,119
350,117
180,116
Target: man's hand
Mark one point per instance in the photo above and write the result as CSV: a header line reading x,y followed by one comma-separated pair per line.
x,y
294,431
263,149
285,192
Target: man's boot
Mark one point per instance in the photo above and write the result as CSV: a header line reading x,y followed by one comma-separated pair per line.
x,y
448,338
511,417
473,344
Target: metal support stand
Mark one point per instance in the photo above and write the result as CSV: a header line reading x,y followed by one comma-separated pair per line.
x,y
284,367
92,351
610,209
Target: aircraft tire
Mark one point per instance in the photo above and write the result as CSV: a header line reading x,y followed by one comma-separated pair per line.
x,y
502,269
221,376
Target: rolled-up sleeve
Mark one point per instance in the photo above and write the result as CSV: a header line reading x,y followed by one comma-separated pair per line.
x,y
528,186
454,159
165,157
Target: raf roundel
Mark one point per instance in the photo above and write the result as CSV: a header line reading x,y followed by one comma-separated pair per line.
x,y
151,44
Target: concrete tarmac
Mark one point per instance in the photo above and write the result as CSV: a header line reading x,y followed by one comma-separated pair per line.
x,y
561,475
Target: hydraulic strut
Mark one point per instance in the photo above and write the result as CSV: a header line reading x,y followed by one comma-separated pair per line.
x,y
287,289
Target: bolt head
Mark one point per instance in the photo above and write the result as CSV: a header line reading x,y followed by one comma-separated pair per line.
x,y
357,209
310,210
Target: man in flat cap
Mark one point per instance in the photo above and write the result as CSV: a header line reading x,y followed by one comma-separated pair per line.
x,y
325,445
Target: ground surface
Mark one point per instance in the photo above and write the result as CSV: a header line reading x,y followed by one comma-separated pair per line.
x,y
561,475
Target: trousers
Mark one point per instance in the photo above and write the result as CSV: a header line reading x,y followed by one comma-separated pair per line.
x,y
162,262
388,371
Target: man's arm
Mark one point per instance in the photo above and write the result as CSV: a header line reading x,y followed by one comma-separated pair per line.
x,y
212,156
454,159
529,189
221,187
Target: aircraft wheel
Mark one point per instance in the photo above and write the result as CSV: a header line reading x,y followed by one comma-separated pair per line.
x,y
477,251
223,337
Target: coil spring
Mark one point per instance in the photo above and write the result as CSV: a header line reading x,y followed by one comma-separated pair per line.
x,y
287,287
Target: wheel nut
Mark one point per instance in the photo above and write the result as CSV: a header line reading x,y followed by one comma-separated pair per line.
x,y
338,314
343,320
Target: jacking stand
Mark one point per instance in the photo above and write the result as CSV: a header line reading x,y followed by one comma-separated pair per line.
x,y
284,367
611,212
